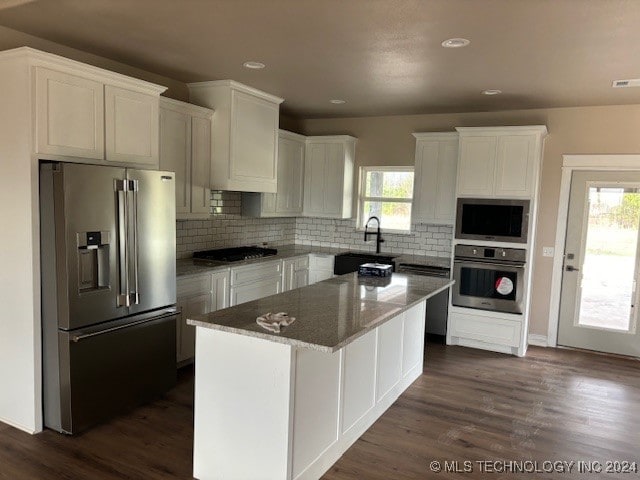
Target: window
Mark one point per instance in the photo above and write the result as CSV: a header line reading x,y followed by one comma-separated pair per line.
x,y
387,193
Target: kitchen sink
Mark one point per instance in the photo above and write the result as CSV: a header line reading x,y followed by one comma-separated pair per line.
x,y
350,261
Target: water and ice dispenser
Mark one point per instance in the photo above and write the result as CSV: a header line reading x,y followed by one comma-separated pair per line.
x,y
93,261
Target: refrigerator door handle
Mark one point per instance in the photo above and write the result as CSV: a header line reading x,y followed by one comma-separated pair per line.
x,y
133,186
80,337
121,187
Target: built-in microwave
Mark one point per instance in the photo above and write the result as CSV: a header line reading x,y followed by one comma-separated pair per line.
x,y
497,220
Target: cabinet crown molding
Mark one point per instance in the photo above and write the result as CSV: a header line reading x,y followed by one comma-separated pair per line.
x,y
436,135
235,86
331,138
519,129
291,135
49,60
185,107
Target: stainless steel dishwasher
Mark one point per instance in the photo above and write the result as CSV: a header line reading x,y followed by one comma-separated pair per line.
x,y
438,305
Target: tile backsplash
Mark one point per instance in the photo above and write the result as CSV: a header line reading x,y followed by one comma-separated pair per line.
x,y
227,228
424,239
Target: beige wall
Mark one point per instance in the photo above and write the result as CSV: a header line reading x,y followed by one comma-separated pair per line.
x,y
10,38
586,130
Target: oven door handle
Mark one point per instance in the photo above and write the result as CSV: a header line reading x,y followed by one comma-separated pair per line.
x,y
519,266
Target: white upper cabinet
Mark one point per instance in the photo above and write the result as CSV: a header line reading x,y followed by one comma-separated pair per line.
x,y
131,126
328,185
434,187
499,161
87,113
287,201
245,135
70,115
185,148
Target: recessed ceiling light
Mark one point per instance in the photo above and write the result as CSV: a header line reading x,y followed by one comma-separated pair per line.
x,y
253,65
492,91
634,82
456,43
337,101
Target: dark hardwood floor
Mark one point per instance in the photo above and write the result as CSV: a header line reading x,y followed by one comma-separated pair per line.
x,y
470,405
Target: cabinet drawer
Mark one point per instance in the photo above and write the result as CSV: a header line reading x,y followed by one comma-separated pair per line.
x,y
486,329
251,273
321,262
187,286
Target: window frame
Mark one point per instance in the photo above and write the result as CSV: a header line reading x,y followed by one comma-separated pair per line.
x,y
362,198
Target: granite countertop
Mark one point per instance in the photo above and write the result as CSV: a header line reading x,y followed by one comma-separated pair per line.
x,y
187,266
329,314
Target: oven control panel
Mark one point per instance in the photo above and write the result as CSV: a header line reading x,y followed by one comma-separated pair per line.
x,y
491,253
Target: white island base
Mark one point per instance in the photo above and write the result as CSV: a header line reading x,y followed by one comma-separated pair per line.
x,y
267,410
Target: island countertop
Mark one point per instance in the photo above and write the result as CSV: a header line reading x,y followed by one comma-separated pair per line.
x,y
329,314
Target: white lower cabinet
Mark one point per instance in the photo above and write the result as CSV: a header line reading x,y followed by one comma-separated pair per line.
x,y
359,380
251,282
295,273
389,355
413,339
197,295
316,406
320,267
307,408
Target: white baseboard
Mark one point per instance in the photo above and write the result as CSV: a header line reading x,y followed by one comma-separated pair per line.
x,y
538,340
19,426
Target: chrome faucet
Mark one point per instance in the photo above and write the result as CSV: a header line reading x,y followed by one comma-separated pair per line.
x,y
378,234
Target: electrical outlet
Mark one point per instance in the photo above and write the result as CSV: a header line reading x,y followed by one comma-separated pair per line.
x,y
548,251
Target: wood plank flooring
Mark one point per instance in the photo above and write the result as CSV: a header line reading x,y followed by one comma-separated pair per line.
x,y
470,405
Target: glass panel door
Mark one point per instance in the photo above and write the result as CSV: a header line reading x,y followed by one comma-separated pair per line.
x,y
599,298
610,257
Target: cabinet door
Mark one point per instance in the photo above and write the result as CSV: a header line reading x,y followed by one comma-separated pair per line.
x,y
476,165
200,165
288,274
290,176
515,163
316,404
300,278
315,165
334,180
69,115
445,192
175,154
359,379
389,355
131,127
425,181
413,338
220,291
254,136
255,290
191,306
268,204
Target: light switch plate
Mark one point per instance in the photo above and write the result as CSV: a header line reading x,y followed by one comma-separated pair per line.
x,y
548,251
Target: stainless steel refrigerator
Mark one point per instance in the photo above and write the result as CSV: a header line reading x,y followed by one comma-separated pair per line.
x,y
108,290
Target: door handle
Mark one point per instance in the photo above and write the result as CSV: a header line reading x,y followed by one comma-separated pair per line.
x,y
123,250
134,220
570,268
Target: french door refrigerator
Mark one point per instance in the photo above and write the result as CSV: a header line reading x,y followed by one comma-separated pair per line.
x,y
108,290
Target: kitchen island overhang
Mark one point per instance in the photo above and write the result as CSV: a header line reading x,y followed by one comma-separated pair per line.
x,y
288,405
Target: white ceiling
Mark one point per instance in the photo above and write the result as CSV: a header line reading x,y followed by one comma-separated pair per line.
x,y
382,56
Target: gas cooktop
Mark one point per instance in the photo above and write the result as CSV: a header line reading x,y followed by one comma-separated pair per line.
x,y
236,254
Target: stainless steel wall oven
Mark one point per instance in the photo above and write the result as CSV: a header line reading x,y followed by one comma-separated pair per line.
x,y
489,278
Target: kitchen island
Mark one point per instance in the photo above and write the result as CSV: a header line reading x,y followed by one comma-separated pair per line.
x,y
287,405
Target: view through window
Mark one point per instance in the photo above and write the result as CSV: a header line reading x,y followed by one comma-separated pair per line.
x,y
609,268
387,193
